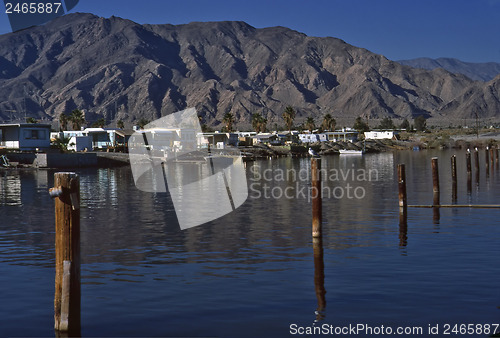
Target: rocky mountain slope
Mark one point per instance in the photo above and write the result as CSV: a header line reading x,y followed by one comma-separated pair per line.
x,y
486,71
117,69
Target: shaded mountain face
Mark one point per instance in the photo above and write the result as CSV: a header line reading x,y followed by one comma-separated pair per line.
x,y
486,71
119,70
483,99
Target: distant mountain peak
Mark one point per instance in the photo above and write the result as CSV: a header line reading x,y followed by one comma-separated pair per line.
x,y
485,71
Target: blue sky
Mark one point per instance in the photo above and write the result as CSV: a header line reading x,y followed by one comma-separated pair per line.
x,y
399,29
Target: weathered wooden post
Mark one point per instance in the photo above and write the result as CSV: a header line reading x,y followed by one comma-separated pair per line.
x,y
435,190
435,180
316,197
476,159
319,277
454,178
469,171
487,160
403,202
492,156
403,227
66,192
496,156
487,156
476,164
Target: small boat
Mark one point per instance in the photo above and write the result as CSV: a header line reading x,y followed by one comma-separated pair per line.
x,y
350,152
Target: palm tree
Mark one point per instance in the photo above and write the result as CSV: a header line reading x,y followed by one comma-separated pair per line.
x,y
99,123
289,116
405,125
259,122
62,143
142,123
263,125
329,122
386,123
120,124
77,119
420,124
309,124
228,120
63,121
360,125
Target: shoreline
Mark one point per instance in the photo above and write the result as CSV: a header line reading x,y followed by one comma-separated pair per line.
x,y
56,160
369,146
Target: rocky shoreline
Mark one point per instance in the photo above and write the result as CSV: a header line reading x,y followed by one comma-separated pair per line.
x,y
368,146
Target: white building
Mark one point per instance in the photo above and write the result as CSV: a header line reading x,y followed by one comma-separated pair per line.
x,y
309,138
264,138
99,138
24,136
346,136
80,143
167,139
380,135
215,138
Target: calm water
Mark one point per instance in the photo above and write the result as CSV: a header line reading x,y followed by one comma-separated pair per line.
x,y
251,273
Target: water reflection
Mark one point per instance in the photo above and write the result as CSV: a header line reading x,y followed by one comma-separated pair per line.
x,y
10,189
100,190
17,186
23,238
436,216
135,260
319,278
403,227
123,224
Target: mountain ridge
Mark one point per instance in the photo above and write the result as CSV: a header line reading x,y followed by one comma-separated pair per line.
x,y
117,69
479,71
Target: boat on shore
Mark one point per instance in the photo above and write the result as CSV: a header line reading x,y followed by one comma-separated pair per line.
x,y
350,152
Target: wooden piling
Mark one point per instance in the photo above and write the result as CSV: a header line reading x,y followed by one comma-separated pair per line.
x,y
469,162
435,189
316,197
435,180
67,281
496,156
487,160
469,171
476,164
403,203
65,296
492,157
403,227
454,178
402,186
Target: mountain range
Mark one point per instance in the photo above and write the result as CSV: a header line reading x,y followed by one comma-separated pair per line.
x,y
485,71
116,69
